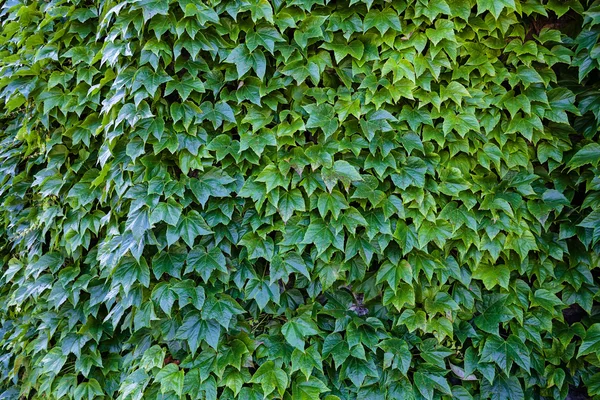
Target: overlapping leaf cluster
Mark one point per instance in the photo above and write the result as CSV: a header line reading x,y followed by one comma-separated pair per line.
x,y
299,199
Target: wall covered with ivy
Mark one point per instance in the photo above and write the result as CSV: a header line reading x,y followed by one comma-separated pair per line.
x,y
299,199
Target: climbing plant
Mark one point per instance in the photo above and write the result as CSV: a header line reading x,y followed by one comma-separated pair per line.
x,y
299,199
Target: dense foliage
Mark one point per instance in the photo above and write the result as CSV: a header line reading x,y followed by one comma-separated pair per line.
x,y
299,199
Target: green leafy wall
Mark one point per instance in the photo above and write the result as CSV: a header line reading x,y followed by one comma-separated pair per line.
x,y
297,199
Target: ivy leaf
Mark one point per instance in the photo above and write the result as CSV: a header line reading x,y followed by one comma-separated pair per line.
x,y
153,357
306,361
130,271
493,311
88,390
591,342
170,262
319,234
261,9
194,329
296,330
282,267
589,154
273,178
150,8
169,212
357,370
493,275
340,50
592,220
503,353
171,379
289,202
333,202
205,262
321,116
213,183
411,174
397,355
426,382
382,20
217,113
394,274
495,7
150,79
245,60
337,347
341,171
270,377
54,361
262,292
265,36
185,87
189,228
222,310
503,388
546,299
308,390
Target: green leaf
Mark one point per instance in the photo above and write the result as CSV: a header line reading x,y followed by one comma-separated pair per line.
x,y
88,390
298,329
272,178
262,292
411,174
265,36
503,353
503,388
494,6
397,355
333,202
493,275
308,390
341,171
340,50
270,377
394,274
171,379
493,311
427,382
212,183
195,329
337,347
185,87
245,60
222,310
150,79
319,234
382,20
306,361
591,342
321,116
282,267
546,299
217,113
150,8
53,361
589,154
130,271
592,220
153,357
189,228
357,370
289,202
169,262
205,262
